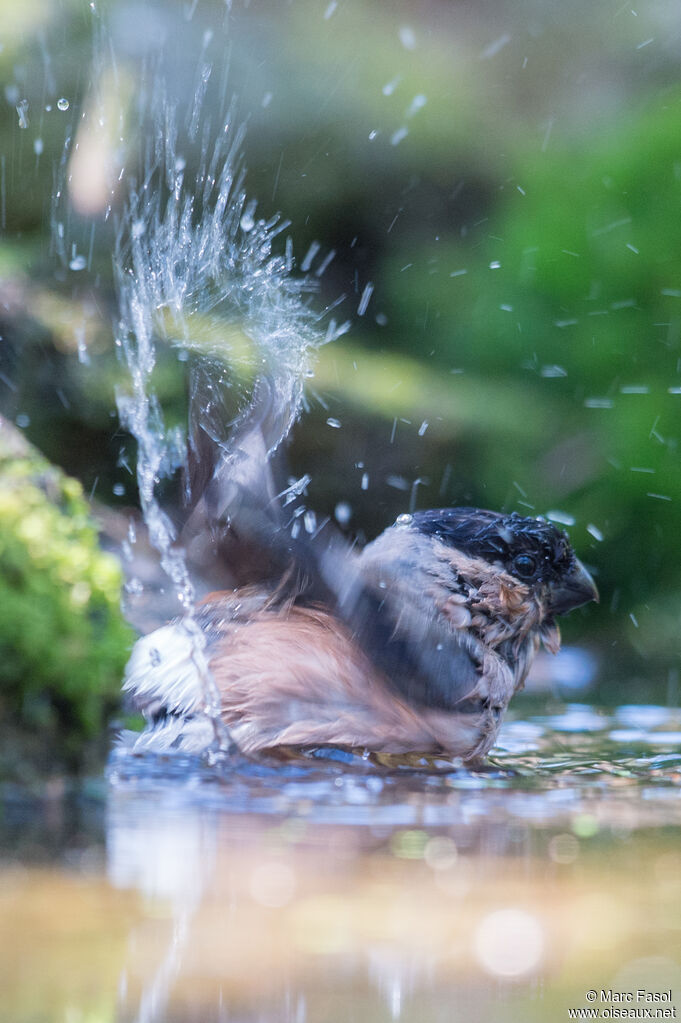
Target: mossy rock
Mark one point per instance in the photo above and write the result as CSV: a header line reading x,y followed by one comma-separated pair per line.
x,y
63,640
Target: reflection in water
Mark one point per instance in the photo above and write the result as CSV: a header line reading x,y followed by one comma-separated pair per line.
x,y
347,888
393,887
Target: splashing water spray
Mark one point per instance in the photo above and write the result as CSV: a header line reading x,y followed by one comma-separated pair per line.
x,y
198,274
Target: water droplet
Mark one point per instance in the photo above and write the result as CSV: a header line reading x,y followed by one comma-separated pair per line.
x,y
118,489
407,37
405,519
22,111
553,371
247,221
296,488
38,146
495,265
495,47
599,403
22,421
310,256
325,262
83,354
365,299
63,103
389,87
343,513
564,518
418,103
335,423
78,263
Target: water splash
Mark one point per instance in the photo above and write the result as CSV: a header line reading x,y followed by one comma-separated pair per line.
x,y
199,275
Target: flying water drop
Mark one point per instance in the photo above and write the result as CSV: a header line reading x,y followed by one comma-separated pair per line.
x,y
22,112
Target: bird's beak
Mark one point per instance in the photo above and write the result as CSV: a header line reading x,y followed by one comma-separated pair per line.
x,y
574,590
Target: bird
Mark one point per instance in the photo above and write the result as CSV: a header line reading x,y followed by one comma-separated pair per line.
x,y
415,644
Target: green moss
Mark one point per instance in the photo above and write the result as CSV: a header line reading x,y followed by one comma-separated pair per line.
x,y
63,640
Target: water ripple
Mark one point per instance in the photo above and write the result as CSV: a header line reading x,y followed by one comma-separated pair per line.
x,y
549,769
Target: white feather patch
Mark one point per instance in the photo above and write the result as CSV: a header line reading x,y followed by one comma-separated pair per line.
x,y
173,735
164,671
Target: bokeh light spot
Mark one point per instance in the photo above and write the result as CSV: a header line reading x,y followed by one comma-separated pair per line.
x,y
509,942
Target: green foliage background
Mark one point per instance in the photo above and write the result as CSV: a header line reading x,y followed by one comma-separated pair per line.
x,y
63,641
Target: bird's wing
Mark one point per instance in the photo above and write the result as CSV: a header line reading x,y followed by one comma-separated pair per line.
x,y
240,509
425,663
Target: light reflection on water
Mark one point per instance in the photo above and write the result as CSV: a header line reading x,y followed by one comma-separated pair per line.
x,y
329,890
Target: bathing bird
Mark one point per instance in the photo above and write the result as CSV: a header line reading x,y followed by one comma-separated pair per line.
x,y
415,644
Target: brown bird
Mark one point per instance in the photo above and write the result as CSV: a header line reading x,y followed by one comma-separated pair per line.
x,y
416,644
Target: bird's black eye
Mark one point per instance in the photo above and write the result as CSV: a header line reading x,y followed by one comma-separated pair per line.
x,y
525,566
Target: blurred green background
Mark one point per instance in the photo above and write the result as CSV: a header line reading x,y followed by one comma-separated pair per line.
x,y
504,179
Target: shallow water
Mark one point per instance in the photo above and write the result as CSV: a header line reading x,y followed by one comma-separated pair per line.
x,y
347,888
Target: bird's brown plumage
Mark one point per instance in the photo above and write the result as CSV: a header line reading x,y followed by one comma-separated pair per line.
x,y
293,676
419,648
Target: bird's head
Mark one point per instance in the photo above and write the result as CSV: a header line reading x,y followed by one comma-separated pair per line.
x,y
532,551
457,600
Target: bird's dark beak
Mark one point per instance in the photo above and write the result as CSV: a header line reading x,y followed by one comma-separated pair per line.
x,y
575,589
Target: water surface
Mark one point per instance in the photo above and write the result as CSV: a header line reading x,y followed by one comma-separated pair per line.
x,y
350,888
